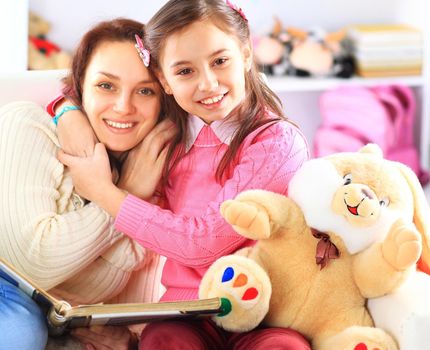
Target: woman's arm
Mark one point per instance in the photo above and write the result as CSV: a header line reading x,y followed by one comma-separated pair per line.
x,y
47,231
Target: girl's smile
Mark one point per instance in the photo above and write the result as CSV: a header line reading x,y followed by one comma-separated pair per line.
x,y
213,102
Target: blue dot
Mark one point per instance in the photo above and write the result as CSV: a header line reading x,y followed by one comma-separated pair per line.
x,y
228,274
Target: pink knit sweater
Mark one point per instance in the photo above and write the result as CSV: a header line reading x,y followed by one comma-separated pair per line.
x,y
192,235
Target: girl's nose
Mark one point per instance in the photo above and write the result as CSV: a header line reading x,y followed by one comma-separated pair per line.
x,y
208,81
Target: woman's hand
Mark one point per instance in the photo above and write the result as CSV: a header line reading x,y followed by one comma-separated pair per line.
x,y
106,338
92,178
142,170
75,133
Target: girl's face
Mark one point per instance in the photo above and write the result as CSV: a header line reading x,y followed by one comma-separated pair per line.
x,y
120,98
204,68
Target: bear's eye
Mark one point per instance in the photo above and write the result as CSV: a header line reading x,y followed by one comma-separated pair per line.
x,y
347,179
384,202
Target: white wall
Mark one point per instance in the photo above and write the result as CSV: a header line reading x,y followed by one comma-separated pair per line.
x,y
13,35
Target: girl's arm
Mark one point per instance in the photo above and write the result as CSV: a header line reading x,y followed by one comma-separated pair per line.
x,y
47,231
74,131
267,163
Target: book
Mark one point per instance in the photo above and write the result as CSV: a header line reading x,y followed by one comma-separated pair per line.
x,y
384,34
61,316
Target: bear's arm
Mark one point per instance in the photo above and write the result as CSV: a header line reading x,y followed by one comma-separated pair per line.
x,y
373,274
279,211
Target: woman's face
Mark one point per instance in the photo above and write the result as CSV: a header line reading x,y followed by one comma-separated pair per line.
x,y
120,98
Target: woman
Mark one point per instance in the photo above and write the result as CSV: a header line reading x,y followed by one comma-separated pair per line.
x,y
64,244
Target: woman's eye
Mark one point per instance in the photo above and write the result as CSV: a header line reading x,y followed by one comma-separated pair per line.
x,y
347,179
105,86
146,92
384,202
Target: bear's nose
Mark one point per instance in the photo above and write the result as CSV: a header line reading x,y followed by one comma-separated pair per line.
x,y
367,193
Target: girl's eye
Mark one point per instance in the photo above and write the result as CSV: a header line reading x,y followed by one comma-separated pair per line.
x,y
384,202
146,92
105,86
184,71
347,179
220,61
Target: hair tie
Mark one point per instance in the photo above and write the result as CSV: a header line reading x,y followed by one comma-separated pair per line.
x,y
237,9
143,53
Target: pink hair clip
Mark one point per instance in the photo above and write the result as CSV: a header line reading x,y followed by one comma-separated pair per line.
x,y
237,9
143,53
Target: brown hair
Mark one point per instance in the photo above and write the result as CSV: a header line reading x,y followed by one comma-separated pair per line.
x,y
174,16
116,30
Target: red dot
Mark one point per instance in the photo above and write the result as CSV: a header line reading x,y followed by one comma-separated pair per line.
x,y
360,346
251,293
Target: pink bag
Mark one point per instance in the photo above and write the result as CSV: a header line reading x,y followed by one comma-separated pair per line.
x,y
355,116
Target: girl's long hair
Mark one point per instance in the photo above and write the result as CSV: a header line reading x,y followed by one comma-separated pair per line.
x,y
175,15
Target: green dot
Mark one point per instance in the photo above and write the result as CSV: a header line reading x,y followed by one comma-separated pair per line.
x,y
225,307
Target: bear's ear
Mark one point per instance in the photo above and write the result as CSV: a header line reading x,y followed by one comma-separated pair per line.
x,y
372,148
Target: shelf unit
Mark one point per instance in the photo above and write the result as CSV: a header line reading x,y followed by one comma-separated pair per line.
x,y
282,84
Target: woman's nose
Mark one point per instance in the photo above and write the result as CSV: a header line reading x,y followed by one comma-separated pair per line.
x,y
124,104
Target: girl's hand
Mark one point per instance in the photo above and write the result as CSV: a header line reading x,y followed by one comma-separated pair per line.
x,y
75,133
92,178
106,338
142,170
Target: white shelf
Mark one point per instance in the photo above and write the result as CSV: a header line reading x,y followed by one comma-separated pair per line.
x,y
303,84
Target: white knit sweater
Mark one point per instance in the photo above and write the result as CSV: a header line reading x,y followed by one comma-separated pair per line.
x,y
50,234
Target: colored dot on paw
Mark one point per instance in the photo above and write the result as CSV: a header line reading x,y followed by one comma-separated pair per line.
x,y
251,293
227,275
360,346
240,280
225,307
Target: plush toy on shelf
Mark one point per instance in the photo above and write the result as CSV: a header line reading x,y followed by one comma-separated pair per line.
x,y
318,53
297,52
351,230
42,53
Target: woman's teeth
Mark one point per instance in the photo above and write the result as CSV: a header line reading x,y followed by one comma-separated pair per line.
x,y
211,100
119,125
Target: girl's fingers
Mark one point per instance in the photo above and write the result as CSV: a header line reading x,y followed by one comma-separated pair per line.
x,y
65,158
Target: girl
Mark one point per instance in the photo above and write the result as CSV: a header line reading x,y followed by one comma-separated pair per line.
x,y
61,242
232,137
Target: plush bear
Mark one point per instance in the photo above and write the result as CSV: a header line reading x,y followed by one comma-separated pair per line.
x,y
42,53
352,229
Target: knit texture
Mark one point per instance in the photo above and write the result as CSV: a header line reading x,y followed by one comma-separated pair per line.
x,y
192,235
47,230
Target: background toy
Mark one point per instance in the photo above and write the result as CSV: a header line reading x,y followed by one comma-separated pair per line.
x,y
42,53
298,52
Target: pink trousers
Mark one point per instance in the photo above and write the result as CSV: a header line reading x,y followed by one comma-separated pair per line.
x,y
205,335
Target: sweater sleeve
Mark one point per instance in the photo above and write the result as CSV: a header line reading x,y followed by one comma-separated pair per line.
x,y
46,230
268,162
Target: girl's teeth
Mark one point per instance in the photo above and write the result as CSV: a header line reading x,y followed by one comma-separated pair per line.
x,y
119,125
211,100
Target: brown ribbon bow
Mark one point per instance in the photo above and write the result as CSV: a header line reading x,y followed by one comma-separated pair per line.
x,y
325,248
